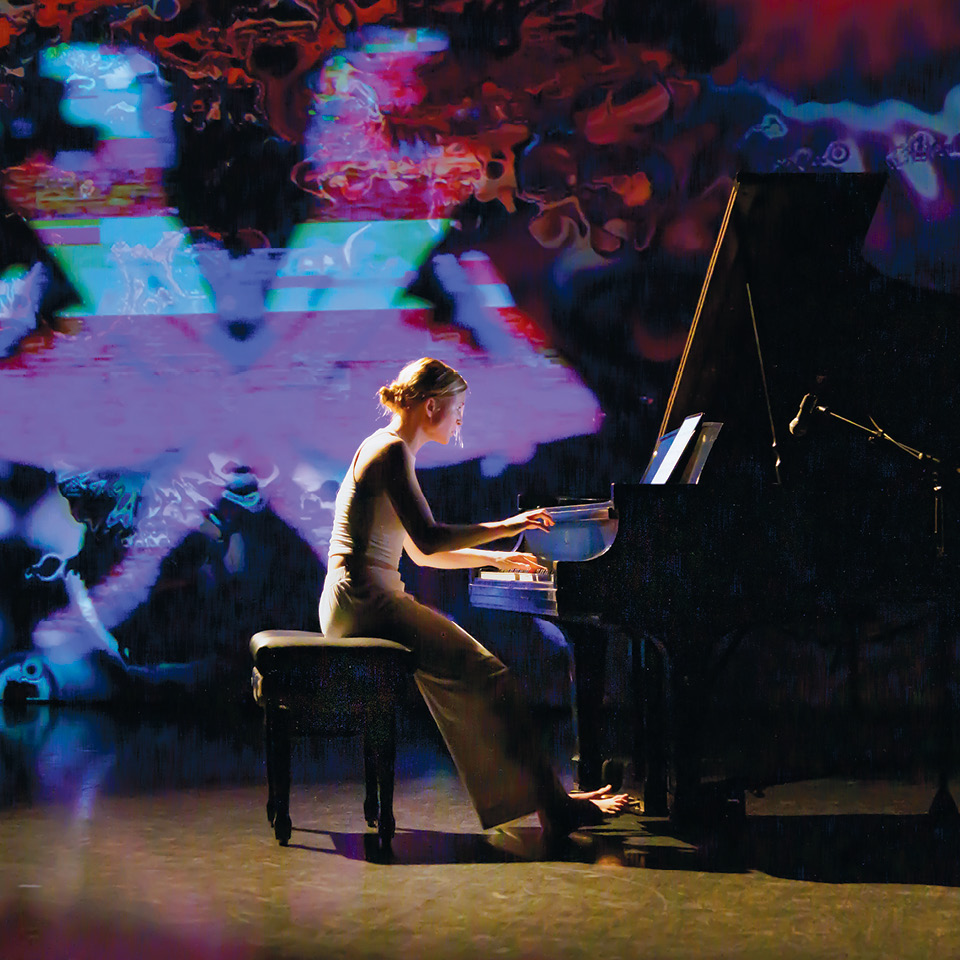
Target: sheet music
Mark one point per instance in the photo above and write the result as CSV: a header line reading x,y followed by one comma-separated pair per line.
x,y
670,449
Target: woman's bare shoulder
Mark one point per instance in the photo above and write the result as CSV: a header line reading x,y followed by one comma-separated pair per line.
x,y
379,449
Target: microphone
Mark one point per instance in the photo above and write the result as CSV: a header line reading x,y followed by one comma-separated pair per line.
x,y
801,422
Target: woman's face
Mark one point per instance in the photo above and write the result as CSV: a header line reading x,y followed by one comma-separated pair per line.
x,y
447,417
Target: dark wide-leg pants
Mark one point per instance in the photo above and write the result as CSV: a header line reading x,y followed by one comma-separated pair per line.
x,y
470,693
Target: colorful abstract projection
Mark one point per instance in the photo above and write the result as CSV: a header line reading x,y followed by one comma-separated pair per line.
x,y
227,224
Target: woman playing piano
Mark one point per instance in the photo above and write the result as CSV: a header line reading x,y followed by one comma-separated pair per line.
x,y
380,511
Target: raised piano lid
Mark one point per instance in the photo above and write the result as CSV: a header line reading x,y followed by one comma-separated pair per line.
x,y
797,239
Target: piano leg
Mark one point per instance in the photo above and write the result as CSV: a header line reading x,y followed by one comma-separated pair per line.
x,y
721,801
689,699
943,809
650,718
589,642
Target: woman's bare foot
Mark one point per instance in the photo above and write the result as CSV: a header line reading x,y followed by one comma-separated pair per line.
x,y
612,804
597,794
569,812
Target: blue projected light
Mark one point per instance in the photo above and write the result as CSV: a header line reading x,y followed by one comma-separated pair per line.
x,y
147,265
353,266
378,39
128,265
107,87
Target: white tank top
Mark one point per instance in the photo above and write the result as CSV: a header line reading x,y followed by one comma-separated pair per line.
x,y
366,529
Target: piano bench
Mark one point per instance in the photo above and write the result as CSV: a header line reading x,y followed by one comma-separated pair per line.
x,y
311,686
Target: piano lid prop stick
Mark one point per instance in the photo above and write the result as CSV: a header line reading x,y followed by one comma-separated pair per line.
x,y
766,392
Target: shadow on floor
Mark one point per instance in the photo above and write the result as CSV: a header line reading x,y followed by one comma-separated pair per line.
x,y
834,848
859,848
417,847
434,847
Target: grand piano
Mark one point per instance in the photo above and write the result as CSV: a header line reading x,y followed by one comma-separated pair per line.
x,y
831,520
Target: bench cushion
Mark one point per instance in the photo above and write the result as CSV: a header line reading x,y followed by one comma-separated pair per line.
x,y
267,645
327,684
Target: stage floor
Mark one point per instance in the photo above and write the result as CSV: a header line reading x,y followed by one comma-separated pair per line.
x,y
145,836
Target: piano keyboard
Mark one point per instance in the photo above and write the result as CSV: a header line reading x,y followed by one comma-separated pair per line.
x,y
515,575
581,531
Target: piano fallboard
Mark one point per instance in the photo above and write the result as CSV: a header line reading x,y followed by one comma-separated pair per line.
x,y
535,597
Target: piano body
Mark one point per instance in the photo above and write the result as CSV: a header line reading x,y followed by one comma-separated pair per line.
x,y
778,527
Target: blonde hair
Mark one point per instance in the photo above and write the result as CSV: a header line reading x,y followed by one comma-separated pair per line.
x,y
419,380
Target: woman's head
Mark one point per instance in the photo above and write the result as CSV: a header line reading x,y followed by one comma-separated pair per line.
x,y
427,395
418,381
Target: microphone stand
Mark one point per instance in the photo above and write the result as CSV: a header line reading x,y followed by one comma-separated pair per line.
x,y
943,807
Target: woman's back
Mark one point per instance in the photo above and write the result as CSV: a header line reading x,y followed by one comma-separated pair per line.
x,y
366,529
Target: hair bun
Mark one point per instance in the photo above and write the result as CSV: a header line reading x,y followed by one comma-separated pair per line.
x,y
388,393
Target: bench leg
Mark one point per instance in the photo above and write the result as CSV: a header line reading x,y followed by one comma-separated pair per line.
x,y
371,802
278,772
380,743
271,790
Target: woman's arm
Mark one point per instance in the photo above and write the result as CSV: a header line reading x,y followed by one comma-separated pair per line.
x,y
423,531
470,558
